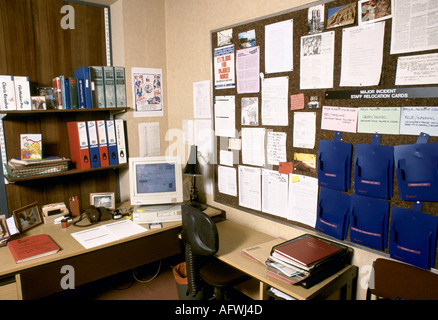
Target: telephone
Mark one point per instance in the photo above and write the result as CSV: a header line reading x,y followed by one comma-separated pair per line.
x,y
94,215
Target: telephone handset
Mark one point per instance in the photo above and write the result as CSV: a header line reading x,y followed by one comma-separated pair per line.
x,y
93,215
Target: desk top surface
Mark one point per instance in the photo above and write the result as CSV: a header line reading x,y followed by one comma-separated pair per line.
x,y
69,246
234,237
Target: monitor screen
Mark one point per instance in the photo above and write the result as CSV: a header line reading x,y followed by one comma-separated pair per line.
x,y
155,180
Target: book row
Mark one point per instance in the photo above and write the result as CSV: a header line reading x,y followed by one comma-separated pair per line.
x,y
95,144
91,87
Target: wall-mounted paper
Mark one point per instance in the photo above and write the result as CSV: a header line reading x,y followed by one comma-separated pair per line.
x,y
275,101
227,180
279,47
414,120
276,147
420,69
304,130
274,192
250,189
225,116
303,199
248,70
317,61
339,119
379,120
253,146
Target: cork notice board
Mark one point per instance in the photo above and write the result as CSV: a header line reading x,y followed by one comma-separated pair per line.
x,y
385,94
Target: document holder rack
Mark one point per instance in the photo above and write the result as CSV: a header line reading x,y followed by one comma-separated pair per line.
x,y
333,213
413,236
374,169
334,163
417,170
369,221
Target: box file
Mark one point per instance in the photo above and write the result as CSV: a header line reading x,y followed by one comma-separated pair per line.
x,y
112,143
83,76
333,213
103,143
374,169
109,87
369,221
120,84
334,163
78,139
416,167
413,236
121,143
97,87
93,144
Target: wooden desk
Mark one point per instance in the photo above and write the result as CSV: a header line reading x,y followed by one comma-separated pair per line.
x,y
233,238
41,277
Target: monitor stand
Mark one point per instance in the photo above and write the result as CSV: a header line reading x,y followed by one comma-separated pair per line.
x,y
157,213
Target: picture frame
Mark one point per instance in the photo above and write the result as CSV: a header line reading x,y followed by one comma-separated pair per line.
x,y
27,217
103,199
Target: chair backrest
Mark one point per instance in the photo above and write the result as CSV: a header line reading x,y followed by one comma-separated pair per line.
x,y
394,279
199,230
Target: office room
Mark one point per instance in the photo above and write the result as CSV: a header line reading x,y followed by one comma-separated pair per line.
x,y
178,38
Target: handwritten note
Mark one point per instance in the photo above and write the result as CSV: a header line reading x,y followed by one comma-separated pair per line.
x,y
379,120
276,147
339,119
414,120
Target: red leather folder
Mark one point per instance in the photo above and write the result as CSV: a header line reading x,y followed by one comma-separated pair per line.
x,y
103,143
78,139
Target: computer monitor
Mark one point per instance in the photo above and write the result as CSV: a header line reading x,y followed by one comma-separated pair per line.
x,y
155,180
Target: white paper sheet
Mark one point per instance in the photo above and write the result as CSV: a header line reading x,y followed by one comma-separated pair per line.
x,y
149,139
107,233
274,192
248,70
225,116
414,120
362,55
279,47
188,127
304,130
201,100
317,61
419,69
250,194
276,147
226,158
414,25
250,111
275,101
253,146
303,199
227,180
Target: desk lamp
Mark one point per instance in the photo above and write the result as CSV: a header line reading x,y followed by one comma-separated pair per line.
x,y
194,169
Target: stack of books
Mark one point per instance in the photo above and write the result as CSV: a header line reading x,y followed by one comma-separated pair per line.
x,y
306,260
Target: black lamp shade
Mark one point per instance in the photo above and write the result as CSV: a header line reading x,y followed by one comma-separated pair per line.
x,y
192,167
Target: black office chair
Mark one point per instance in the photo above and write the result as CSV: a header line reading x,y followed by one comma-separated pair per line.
x,y
201,240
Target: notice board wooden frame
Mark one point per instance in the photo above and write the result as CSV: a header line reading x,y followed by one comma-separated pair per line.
x,y
300,28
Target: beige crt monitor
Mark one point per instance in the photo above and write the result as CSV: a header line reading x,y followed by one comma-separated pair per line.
x,y
156,188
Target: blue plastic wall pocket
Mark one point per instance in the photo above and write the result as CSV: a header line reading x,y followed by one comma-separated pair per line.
x,y
369,221
374,169
417,170
333,213
413,236
334,163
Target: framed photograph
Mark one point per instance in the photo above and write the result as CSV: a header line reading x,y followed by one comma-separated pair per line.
x,y
27,217
103,199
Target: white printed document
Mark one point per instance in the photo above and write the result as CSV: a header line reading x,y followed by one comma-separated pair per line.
x,y
274,192
362,55
414,120
275,101
253,146
304,130
225,116
279,47
303,199
227,180
419,69
250,191
317,61
107,233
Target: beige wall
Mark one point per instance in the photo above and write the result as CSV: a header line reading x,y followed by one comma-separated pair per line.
x,y
175,35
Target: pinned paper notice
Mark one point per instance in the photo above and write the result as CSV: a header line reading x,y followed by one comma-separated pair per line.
x,y
285,167
297,101
295,179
